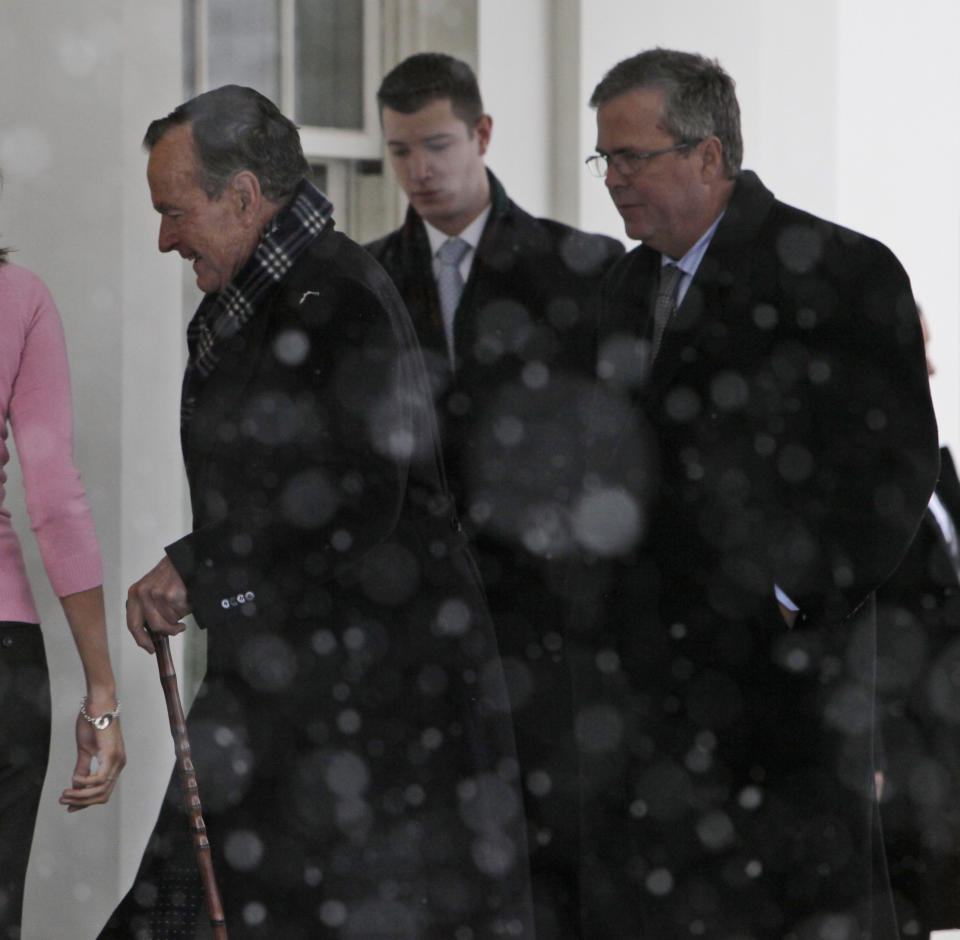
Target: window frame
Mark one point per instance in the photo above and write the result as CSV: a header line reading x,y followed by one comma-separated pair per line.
x,y
319,143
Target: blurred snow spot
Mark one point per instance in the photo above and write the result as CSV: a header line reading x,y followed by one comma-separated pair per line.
x,y
380,918
82,892
599,729
308,500
608,661
819,371
535,375
487,803
607,521
765,316
508,430
729,391
348,721
799,248
254,913
623,359
850,710
494,854
25,152
545,530
639,809
333,913
539,782
346,774
401,443
341,540
243,849
267,662
323,642
659,882
682,404
453,618
715,830
79,55
876,419
291,347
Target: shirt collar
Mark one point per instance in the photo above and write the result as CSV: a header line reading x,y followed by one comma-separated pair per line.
x,y
471,234
691,260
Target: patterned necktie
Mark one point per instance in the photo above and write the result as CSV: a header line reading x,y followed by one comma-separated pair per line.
x,y
450,283
665,304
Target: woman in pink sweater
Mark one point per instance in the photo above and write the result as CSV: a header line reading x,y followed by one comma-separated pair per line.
x,y
35,403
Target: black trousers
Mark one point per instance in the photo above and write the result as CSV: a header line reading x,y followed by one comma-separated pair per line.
x,y
24,747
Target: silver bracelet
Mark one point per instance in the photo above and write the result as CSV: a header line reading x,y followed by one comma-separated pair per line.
x,y
101,722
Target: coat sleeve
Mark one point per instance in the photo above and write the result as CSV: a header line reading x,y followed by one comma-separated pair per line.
x,y
859,479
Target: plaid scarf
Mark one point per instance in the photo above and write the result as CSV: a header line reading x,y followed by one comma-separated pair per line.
x,y
223,314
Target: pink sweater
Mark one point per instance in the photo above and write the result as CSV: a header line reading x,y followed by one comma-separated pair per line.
x,y
35,402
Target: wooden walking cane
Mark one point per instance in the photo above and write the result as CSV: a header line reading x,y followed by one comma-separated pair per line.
x,y
188,783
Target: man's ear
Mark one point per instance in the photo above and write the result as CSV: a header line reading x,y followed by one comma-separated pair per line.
x,y
247,195
711,157
483,128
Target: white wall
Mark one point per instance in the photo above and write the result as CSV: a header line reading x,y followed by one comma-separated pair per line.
x,y
899,84
513,70
80,81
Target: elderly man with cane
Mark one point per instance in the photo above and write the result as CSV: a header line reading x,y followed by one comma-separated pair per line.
x,y
350,738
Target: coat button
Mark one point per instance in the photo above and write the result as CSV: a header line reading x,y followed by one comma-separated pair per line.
x,y
249,595
7,641
225,604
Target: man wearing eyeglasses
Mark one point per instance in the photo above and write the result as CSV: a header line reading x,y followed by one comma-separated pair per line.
x,y
777,362
500,303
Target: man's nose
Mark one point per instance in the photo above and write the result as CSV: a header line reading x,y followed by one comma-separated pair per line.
x,y
613,177
168,235
419,166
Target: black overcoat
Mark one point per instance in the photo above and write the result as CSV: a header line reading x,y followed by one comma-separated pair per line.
x,y
352,736
786,439
918,692
510,414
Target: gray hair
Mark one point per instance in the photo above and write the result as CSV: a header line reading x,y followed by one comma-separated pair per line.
x,y
234,129
699,97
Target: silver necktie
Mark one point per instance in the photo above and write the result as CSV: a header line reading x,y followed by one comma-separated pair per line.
x,y
450,283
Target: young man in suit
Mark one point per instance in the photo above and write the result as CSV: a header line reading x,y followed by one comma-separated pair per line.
x,y
352,748
776,364
508,329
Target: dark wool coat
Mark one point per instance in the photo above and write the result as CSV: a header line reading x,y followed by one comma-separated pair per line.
x,y
525,333
783,437
352,737
918,689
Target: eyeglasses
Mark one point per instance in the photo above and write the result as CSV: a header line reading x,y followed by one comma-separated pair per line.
x,y
629,162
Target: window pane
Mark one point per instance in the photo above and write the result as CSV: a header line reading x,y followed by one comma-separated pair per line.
x,y
329,63
244,44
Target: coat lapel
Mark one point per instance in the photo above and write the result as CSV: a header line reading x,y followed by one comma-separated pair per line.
x,y
220,395
711,303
